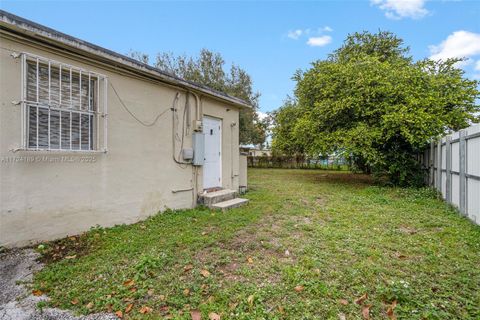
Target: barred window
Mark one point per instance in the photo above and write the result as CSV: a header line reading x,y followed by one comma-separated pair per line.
x,y
62,106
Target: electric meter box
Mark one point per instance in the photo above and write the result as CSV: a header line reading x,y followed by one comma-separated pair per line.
x,y
187,154
198,141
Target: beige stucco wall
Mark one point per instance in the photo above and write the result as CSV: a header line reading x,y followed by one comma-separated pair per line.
x,y
48,197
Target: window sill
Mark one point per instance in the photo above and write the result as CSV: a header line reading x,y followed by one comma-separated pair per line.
x,y
57,151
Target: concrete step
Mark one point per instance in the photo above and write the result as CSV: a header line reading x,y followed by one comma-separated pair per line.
x,y
211,198
230,204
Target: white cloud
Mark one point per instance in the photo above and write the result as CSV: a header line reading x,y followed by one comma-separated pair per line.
x,y
460,44
399,9
295,34
261,115
476,74
477,66
326,29
319,41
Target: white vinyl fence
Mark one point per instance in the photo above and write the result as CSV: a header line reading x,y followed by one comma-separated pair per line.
x,y
454,170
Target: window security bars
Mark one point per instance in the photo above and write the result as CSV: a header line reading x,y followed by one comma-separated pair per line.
x,y
62,106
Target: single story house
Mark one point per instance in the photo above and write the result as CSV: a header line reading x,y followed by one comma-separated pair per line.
x,y
91,137
256,151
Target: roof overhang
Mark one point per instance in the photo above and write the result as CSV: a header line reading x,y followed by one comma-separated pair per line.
x,y
27,28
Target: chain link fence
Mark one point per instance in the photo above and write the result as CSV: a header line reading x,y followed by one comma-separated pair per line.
x,y
298,162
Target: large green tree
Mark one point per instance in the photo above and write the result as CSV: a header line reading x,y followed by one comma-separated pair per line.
x,y
371,100
283,123
208,68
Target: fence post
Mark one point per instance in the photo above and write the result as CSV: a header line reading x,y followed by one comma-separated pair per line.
x,y
432,163
462,166
439,165
448,171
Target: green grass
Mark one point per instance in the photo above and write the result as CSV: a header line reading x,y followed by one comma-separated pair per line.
x,y
344,236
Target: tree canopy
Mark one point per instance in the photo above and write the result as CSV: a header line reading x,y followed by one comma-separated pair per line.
x,y
208,69
370,100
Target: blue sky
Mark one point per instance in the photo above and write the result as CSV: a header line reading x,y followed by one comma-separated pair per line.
x,y
269,39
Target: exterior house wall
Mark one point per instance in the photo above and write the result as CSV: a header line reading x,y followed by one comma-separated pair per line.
x,y
44,195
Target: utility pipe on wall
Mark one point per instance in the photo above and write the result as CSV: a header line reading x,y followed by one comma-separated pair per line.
x,y
198,115
198,120
232,175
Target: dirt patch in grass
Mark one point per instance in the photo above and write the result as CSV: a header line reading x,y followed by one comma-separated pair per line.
x,y
255,248
407,230
67,248
229,272
345,178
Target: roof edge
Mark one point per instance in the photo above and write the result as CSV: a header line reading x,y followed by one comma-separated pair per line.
x,y
27,27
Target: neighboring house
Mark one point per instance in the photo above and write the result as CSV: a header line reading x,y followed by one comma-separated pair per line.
x,y
91,137
257,152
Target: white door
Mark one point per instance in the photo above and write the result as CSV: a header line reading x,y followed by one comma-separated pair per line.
x,y
212,168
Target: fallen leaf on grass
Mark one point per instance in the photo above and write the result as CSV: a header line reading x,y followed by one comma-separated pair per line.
x,y
400,256
133,289
205,273
299,288
341,316
187,268
390,311
145,309
74,301
37,293
119,314
361,299
163,309
366,311
150,292
129,308
343,301
250,260
195,314
186,292
70,257
287,253
250,299
232,305
129,283
89,305
213,316
281,310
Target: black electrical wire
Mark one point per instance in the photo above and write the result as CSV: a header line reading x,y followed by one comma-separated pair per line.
x,y
133,116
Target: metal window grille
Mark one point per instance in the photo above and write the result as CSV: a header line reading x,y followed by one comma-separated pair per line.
x,y
63,107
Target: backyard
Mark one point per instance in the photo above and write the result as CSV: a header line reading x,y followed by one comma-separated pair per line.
x,y
311,244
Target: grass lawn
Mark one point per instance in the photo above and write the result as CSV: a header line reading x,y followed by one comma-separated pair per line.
x,y
309,244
